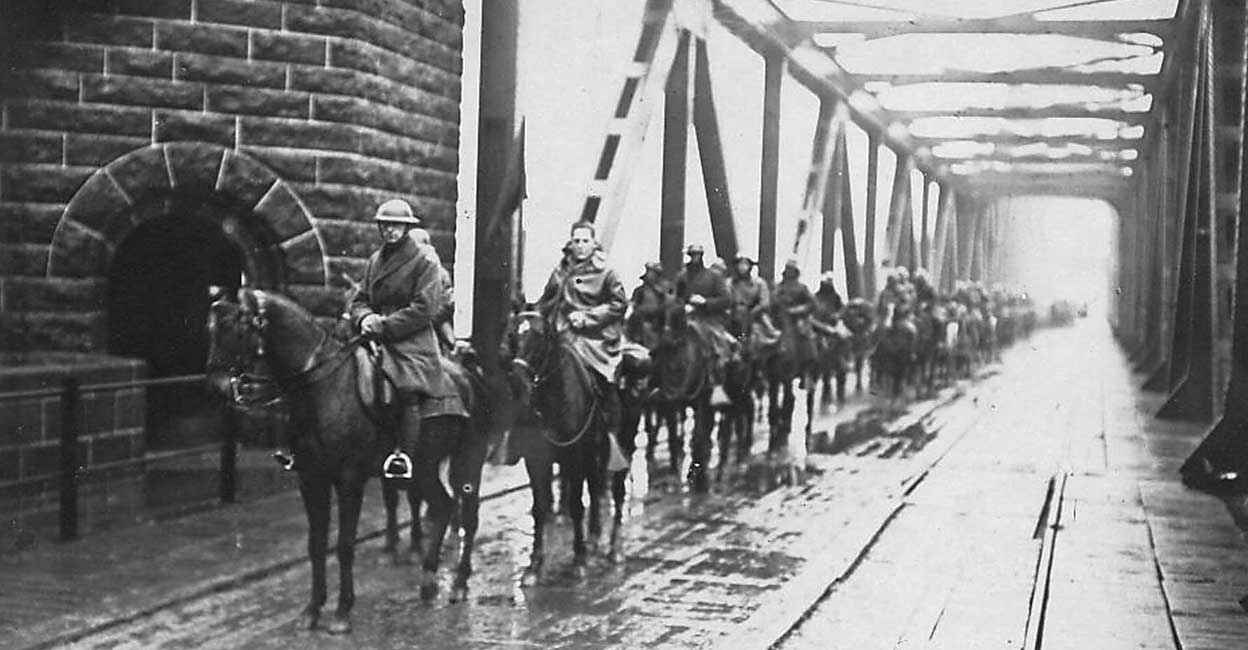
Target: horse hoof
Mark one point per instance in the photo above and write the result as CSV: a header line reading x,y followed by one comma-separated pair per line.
x,y
531,577
339,624
309,619
459,593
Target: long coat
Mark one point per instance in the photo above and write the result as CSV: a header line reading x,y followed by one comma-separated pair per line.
x,y
405,287
596,291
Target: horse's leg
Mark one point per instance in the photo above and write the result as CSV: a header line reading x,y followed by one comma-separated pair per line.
x,y
652,432
700,445
390,496
350,500
415,533
575,485
726,426
440,504
539,471
596,486
316,502
675,437
810,409
619,492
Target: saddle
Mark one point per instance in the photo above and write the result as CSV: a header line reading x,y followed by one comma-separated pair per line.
x,y
376,389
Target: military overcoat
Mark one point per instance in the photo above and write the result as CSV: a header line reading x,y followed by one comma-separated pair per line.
x,y
594,290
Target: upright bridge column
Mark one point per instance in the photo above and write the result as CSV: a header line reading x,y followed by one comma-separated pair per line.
x,y
770,165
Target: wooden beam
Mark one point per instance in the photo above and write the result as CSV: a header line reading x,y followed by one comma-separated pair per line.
x,y
1098,29
676,107
711,154
769,171
1037,76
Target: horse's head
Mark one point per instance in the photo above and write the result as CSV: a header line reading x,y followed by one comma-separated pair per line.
x,y
235,344
529,339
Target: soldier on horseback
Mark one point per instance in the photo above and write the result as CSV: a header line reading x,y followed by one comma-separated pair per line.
x,y
793,304
751,300
398,307
584,301
705,293
650,302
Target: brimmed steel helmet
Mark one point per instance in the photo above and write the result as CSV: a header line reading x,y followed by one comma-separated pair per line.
x,y
396,211
694,249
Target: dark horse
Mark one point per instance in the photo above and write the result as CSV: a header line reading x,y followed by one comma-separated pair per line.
x,y
562,390
683,374
337,442
794,358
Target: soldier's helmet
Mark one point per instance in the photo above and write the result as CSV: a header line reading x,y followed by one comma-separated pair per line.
x,y
790,269
694,249
652,267
742,257
828,278
396,211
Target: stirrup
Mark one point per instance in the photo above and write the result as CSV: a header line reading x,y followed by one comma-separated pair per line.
x,y
285,458
719,397
397,465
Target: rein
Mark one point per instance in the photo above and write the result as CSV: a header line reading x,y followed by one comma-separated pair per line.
x,y
311,372
540,377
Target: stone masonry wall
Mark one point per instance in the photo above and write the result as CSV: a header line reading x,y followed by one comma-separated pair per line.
x,y
341,104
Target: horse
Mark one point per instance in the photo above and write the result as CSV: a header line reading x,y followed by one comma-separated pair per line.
x,y
894,355
832,345
682,374
793,359
859,319
337,439
561,389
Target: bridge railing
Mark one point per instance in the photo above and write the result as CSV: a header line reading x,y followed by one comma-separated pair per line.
x,y
70,394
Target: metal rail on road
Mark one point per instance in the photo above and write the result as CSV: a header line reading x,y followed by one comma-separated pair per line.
x,y
70,394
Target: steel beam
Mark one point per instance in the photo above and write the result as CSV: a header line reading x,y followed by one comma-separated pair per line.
x,y
834,192
711,155
849,243
676,109
1015,140
821,155
492,290
1035,76
1192,398
925,242
1225,449
1073,110
774,64
873,181
899,209
939,266
1100,29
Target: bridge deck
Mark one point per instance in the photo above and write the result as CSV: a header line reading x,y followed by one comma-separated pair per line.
x,y
950,540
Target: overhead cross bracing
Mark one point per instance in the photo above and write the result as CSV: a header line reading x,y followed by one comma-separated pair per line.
x,y
981,71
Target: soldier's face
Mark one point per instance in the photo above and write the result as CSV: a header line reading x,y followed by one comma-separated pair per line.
x,y
391,232
743,268
582,244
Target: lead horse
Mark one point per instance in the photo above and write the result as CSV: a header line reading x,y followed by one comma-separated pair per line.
x,y
337,439
558,386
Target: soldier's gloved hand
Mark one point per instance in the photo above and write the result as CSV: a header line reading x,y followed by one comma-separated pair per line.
x,y
578,320
371,325
697,300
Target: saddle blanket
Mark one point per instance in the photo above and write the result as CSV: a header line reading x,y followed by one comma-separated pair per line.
x,y
378,391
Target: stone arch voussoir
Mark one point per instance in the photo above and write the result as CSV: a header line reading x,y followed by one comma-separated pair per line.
x,y
101,213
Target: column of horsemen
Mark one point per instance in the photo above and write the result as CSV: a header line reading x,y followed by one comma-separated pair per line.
x,y
708,345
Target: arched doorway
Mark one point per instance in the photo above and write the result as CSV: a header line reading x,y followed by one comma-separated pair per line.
x,y
158,302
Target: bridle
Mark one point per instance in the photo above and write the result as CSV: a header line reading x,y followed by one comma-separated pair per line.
x,y
250,388
536,378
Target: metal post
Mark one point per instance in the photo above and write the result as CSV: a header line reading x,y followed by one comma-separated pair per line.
x,y
939,268
925,242
868,254
71,421
770,166
833,198
675,163
711,154
228,480
849,244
